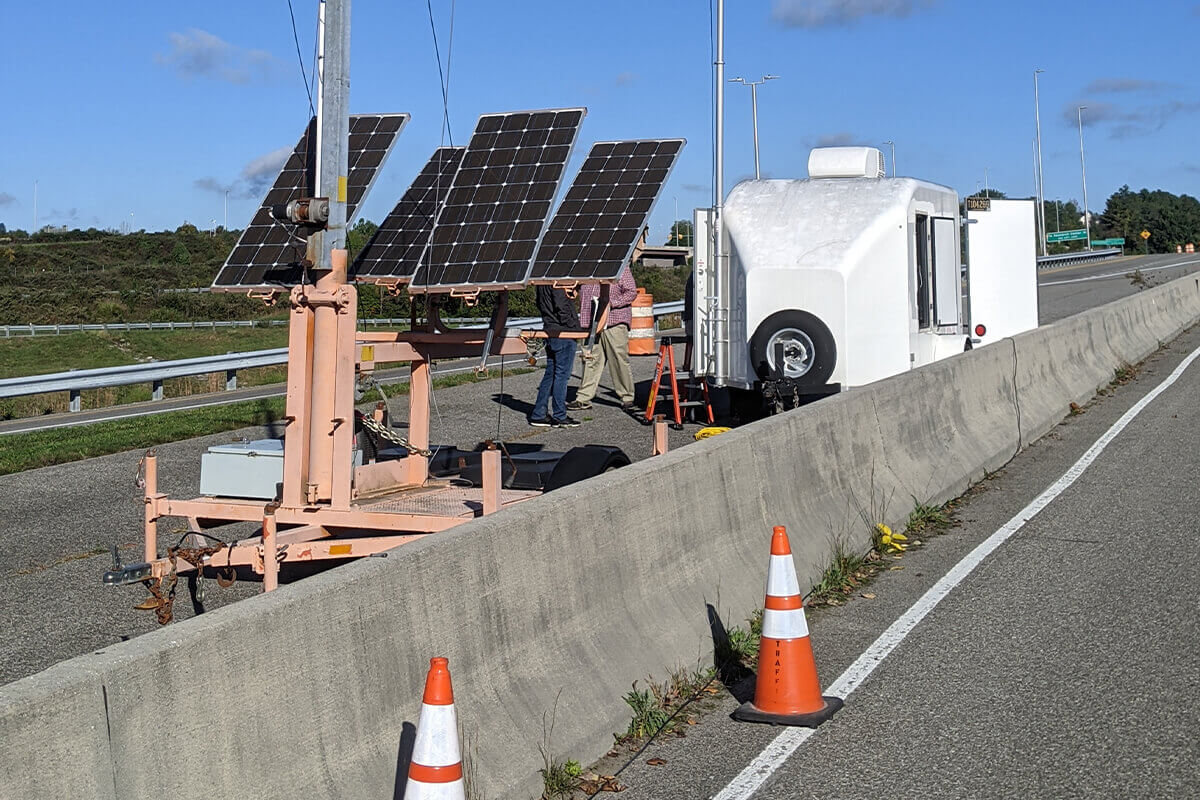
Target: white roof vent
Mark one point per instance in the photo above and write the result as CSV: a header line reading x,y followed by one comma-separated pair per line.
x,y
845,162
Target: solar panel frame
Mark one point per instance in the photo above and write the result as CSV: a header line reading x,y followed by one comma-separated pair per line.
x,y
267,256
394,251
597,225
488,230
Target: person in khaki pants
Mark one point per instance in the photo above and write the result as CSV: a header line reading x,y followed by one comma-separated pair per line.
x,y
613,345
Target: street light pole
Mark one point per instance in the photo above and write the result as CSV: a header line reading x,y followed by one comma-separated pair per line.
x,y
1041,186
1087,216
893,146
35,183
226,209
754,111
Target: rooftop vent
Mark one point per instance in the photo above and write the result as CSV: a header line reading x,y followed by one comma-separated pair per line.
x,y
845,162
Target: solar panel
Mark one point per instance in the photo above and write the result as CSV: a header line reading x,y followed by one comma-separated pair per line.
x,y
488,229
269,253
395,250
599,221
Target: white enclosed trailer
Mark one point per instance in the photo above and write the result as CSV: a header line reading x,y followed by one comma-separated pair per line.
x,y
848,277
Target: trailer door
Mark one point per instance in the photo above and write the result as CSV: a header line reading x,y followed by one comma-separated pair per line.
x,y
1002,269
947,282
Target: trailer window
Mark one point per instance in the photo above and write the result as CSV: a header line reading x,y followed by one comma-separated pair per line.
x,y
921,231
947,276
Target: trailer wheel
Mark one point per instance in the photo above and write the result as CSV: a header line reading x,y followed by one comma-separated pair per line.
x,y
809,351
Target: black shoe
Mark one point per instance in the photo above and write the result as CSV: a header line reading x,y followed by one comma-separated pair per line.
x,y
541,422
577,405
565,422
628,408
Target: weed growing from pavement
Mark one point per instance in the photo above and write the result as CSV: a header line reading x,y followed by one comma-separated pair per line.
x,y
657,707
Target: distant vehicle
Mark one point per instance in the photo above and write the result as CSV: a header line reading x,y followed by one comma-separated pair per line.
x,y
848,277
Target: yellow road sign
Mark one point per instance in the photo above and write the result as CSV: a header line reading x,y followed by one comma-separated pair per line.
x,y
1145,234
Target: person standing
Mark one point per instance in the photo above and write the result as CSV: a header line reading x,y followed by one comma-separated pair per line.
x,y
612,349
558,316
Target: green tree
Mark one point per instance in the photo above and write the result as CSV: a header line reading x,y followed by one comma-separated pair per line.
x,y
680,234
358,236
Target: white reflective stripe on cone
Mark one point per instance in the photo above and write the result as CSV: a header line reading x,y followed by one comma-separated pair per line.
x,y
437,737
643,311
454,790
789,624
781,577
641,333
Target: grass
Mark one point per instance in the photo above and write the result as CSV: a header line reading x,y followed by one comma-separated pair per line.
x,y
656,708
22,451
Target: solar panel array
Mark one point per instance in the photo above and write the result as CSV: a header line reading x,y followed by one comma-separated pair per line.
x,y
395,250
488,229
268,254
598,223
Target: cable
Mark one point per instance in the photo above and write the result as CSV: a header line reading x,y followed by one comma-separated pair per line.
x,y
300,58
441,75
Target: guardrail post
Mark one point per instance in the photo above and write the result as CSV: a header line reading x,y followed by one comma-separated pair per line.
x,y
156,392
76,404
230,380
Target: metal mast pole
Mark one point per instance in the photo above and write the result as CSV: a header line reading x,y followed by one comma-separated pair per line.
x,y
754,114
1041,187
333,134
1087,217
720,268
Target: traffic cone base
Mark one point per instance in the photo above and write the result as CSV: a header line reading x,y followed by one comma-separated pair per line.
x,y
786,691
748,712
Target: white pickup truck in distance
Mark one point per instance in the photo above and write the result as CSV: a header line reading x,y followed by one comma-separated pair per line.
x,y
848,276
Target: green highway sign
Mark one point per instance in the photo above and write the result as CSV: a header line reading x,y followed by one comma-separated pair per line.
x,y
1066,236
1119,242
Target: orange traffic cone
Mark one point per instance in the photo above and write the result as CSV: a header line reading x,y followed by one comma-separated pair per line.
x,y
436,772
787,691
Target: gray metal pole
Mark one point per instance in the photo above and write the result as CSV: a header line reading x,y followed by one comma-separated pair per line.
x,y
1041,187
333,130
720,268
893,145
754,113
1087,217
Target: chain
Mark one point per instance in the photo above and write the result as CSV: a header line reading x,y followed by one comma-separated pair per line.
x,y
139,480
533,348
390,435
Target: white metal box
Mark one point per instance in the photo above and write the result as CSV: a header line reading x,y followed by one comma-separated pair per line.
x,y
243,469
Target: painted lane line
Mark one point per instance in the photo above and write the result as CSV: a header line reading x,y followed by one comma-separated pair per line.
x,y
774,754
1109,275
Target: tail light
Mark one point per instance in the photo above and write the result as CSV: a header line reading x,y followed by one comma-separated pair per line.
x,y
980,330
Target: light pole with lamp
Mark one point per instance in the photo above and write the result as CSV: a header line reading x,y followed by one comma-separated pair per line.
x,y
1087,216
1041,190
226,209
754,110
892,144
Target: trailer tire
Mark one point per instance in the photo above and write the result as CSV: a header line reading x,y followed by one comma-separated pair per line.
x,y
812,351
581,463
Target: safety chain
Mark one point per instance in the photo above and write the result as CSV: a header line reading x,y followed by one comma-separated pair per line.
x,y
161,601
533,348
386,433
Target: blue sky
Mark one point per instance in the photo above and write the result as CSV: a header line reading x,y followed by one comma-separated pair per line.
x,y
153,109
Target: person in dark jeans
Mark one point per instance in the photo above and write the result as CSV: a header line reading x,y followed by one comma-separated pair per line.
x,y
558,315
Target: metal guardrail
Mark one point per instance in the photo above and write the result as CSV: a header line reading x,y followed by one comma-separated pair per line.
x,y
55,330
155,372
1078,257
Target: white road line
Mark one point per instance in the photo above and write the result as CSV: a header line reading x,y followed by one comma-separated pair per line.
x,y
1108,275
774,754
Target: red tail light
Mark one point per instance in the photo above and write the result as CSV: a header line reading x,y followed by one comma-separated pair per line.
x,y
980,330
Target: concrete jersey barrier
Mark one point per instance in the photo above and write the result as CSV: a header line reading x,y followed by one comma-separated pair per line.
x,y
558,603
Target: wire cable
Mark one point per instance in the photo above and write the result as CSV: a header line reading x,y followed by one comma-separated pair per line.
x,y
441,74
300,58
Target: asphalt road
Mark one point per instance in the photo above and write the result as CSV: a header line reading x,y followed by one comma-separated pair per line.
x,y
57,523
1068,290
1063,666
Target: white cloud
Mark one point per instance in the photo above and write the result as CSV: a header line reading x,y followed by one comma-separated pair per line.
x,y
7,199
830,13
839,139
1116,85
199,53
260,173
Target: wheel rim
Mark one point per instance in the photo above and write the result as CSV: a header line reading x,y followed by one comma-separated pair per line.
x,y
799,353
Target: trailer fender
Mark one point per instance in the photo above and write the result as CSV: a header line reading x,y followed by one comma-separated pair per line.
x,y
581,463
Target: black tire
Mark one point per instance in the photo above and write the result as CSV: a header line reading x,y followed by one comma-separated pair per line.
x,y
818,366
581,463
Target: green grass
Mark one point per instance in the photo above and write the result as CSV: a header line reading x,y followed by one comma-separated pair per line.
x,y
22,451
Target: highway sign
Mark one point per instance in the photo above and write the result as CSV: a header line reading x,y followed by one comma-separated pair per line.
x,y
1066,236
1145,234
1118,242
979,204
